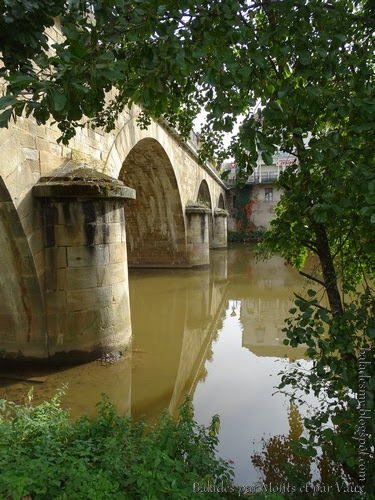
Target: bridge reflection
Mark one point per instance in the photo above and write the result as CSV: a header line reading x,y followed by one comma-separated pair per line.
x,y
176,317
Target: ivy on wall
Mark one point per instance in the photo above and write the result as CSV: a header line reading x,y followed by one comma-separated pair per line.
x,y
242,211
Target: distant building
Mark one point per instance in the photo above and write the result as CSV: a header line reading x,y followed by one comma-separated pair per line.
x,y
264,194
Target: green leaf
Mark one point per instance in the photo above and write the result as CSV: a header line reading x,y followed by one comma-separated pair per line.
x,y
112,75
267,158
5,117
58,99
322,52
298,131
341,37
304,57
6,101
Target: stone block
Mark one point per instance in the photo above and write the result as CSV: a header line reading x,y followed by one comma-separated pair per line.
x,y
55,257
112,273
116,214
117,252
55,301
97,255
84,322
61,279
56,325
92,298
115,234
70,235
31,154
39,262
81,278
42,144
50,280
49,162
120,293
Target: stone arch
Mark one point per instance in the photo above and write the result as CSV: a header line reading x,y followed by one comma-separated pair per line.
x,y
204,195
155,225
221,203
22,315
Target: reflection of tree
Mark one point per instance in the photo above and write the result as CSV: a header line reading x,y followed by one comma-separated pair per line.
x,y
281,464
277,452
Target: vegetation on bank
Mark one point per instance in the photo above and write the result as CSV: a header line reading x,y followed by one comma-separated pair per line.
x,y
246,236
44,455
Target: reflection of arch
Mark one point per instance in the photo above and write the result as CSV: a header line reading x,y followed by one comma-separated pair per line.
x,y
204,194
221,203
22,331
155,224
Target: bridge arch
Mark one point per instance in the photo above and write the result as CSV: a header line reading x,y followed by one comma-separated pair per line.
x,y
155,223
221,203
22,321
204,195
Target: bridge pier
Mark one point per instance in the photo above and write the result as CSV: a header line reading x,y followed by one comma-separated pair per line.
x,y
198,251
220,228
86,276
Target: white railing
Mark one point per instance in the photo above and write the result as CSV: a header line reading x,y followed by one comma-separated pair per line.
x,y
264,177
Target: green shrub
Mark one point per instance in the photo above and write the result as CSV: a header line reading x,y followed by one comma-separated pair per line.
x,y
44,455
246,235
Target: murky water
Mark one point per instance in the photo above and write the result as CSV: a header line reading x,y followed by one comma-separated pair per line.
x,y
212,333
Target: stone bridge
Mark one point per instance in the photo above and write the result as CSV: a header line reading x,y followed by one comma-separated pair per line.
x,y
72,219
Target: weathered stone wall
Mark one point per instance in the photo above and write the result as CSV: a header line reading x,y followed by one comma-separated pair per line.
x,y
86,275
263,210
220,229
198,252
166,175
22,318
86,287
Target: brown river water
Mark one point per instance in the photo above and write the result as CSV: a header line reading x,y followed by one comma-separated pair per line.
x,y
212,333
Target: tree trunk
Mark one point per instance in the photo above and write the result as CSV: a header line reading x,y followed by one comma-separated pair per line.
x,y
328,269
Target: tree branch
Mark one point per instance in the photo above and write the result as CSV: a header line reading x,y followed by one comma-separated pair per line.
x,y
342,244
310,244
312,278
306,300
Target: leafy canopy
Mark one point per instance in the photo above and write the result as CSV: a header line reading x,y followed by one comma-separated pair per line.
x,y
310,63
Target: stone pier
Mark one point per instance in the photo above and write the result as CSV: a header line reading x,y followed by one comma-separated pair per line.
x,y
198,251
86,276
220,228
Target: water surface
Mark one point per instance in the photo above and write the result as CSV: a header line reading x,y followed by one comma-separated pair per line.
x,y
213,333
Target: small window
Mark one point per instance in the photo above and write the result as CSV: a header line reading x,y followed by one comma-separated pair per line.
x,y
268,196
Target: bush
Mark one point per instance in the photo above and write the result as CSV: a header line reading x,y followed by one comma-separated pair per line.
x,y
44,455
246,236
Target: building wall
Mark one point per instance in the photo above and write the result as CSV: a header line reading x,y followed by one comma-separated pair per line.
x,y
265,200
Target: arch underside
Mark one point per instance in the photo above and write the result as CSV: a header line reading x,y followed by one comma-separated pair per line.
x,y
204,194
22,326
221,203
155,226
